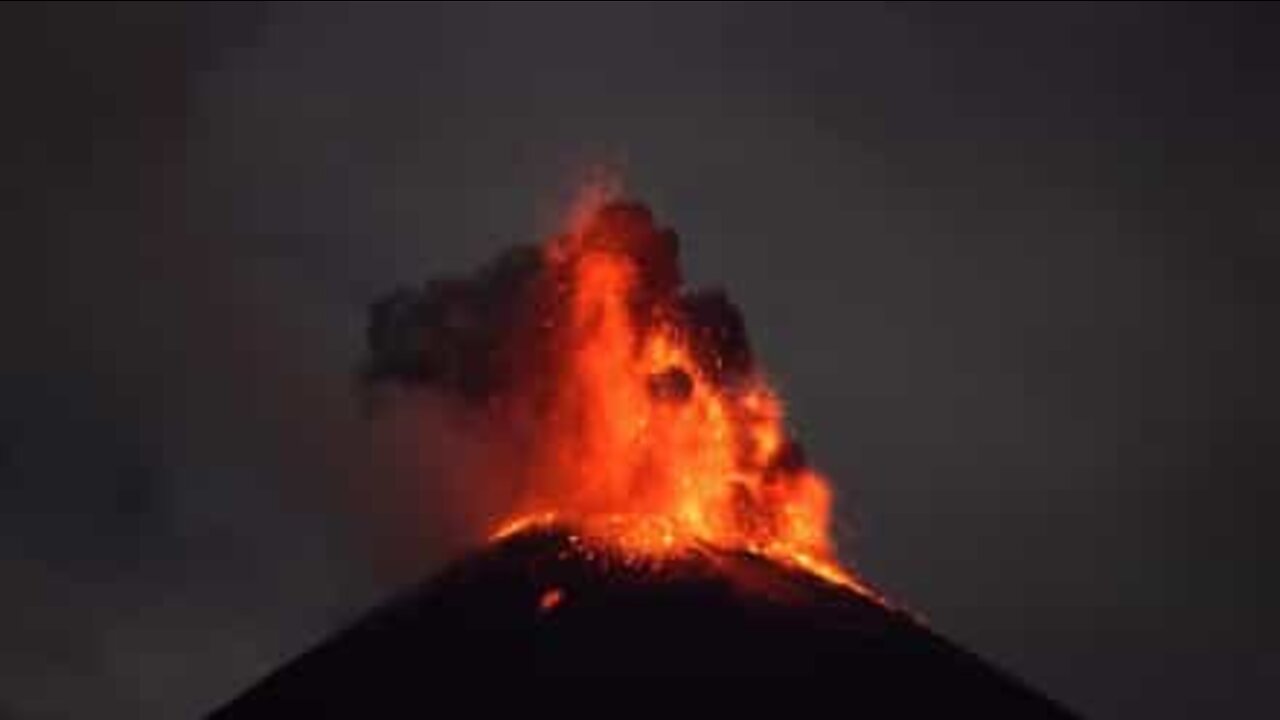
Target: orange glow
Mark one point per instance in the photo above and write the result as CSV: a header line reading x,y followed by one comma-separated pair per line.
x,y
656,471
550,600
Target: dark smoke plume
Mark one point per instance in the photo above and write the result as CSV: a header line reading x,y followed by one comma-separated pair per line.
x,y
458,371
473,336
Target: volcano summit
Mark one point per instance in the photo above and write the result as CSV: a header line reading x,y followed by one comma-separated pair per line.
x,y
547,603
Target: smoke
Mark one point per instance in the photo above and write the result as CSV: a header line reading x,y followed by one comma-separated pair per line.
x,y
475,393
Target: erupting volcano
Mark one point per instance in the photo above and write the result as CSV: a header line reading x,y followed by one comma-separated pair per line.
x,y
646,511
620,402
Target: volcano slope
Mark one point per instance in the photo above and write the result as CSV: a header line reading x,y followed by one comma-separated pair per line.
x,y
549,606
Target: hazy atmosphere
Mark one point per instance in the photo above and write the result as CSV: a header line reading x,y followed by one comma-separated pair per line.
x,y
1011,267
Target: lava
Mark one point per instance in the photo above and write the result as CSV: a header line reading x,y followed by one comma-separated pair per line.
x,y
654,431
582,383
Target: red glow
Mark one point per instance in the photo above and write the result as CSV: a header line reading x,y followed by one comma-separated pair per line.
x,y
650,471
550,600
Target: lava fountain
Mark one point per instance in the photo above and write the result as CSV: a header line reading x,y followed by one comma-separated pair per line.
x,y
631,407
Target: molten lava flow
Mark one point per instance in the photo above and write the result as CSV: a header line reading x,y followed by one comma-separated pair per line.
x,y
652,434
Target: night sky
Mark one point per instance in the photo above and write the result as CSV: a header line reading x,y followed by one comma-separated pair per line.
x,y
1012,267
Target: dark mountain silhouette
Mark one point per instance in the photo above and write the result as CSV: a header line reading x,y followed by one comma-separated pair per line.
x,y
547,606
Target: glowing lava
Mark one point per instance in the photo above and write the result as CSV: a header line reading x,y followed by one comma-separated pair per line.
x,y
653,436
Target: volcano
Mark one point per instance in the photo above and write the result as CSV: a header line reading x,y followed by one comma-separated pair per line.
x,y
551,605
649,513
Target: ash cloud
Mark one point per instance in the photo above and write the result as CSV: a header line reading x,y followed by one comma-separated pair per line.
x,y
472,336
460,373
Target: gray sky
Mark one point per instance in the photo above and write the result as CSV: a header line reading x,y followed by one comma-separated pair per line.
x,y
1012,267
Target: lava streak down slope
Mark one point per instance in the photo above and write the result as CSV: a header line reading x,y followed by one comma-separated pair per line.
x,y
546,603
